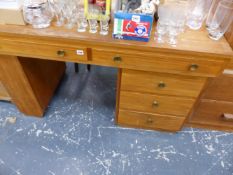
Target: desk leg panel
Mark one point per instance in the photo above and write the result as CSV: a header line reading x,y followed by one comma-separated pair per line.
x,y
30,82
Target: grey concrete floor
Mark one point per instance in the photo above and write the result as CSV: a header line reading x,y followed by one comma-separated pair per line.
x,y
78,136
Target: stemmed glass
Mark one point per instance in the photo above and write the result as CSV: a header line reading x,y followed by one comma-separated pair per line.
x,y
197,13
93,19
104,24
56,7
82,21
69,12
171,22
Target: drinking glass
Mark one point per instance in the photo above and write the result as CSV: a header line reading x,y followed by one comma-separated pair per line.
x,y
104,24
162,24
82,21
197,12
93,23
37,13
70,13
211,12
56,8
221,20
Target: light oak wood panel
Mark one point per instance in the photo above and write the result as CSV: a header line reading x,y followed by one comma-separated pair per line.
x,y
219,88
3,93
158,83
210,113
16,83
146,103
150,121
229,35
158,63
59,53
44,77
29,82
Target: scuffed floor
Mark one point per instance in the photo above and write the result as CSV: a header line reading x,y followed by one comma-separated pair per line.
x,y
78,136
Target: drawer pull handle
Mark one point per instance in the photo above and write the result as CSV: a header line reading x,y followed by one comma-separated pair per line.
x,y
117,59
61,53
155,104
149,121
193,67
161,85
227,117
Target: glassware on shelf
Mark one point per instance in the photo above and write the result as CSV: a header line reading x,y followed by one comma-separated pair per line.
x,y
171,22
56,7
37,13
197,12
93,23
104,24
211,12
69,10
221,20
82,21
160,32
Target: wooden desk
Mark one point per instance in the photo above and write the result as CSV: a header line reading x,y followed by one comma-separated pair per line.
x,y
157,84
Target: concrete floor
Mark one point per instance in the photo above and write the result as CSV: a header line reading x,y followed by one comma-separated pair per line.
x,y
78,136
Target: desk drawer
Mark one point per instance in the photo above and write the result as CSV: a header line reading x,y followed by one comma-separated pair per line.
x,y
155,104
45,51
213,113
158,63
150,121
159,83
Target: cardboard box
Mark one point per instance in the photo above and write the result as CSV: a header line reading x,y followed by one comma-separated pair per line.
x,y
11,16
129,26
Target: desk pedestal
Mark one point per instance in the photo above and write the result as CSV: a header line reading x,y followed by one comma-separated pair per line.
x,y
30,82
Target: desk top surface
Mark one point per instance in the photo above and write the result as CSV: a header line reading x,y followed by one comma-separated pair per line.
x,y
194,41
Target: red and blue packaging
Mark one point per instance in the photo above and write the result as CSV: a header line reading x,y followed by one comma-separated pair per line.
x,y
129,26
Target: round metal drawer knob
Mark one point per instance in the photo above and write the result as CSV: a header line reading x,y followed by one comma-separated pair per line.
x,y
117,59
149,121
193,67
61,53
155,104
161,85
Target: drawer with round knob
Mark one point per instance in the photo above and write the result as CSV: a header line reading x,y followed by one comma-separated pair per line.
x,y
52,52
198,66
161,83
160,104
149,121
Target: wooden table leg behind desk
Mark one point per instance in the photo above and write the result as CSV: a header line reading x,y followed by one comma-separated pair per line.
x,y
30,82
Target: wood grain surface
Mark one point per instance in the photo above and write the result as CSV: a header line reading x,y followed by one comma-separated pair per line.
x,y
170,105
150,82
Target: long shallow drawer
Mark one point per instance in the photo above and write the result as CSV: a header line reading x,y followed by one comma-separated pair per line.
x,y
45,51
159,83
158,63
150,121
170,105
220,88
213,113
3,93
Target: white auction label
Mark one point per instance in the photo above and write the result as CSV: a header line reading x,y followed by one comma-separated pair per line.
x,y
80,52
228,71
136,18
